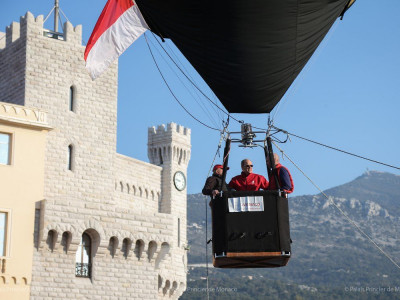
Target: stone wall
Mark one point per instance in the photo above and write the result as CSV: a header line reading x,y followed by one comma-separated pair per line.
x,y
118,201
12,59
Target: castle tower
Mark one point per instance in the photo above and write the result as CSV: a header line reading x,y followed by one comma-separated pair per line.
x,y
170,148
49,73
130,212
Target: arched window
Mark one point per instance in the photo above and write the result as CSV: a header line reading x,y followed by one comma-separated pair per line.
x,y
160,156
180,157
51,240
70,155
139,248
152,248
66,241
126,247
72,98
134,190
112,246
83,257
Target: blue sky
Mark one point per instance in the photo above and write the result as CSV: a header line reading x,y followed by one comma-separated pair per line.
x,y
347,96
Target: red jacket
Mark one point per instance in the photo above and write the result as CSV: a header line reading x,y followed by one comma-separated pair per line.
x,y
285,180
251,182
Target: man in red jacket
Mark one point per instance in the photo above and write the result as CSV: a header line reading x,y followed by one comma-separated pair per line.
x,y
285,179
247,180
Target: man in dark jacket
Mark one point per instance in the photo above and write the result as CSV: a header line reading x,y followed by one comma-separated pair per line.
x,y
213,183
284,177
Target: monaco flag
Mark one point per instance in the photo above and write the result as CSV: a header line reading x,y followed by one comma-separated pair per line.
x,y
118,26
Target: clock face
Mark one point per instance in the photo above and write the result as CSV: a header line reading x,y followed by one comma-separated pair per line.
x,y
180,181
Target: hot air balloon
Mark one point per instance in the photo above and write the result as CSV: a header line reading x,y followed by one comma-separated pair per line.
x,y
249,53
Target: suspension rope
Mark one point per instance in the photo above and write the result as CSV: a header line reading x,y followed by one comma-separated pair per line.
x,y
206,245
336,149
278,130
169,88
197,98
171,50
339,209
194,84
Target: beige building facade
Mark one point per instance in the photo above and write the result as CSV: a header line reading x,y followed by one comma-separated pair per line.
x,y
23,133
108,226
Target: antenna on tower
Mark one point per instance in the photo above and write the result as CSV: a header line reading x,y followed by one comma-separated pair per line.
x,y
56,15
57,20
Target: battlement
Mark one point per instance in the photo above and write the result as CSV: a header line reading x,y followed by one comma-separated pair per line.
x,y
30,25
171,128
166,143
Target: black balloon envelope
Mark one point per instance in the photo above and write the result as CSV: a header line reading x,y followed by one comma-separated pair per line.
x,y
248,52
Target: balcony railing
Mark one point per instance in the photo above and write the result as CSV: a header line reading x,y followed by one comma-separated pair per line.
x,y
83,270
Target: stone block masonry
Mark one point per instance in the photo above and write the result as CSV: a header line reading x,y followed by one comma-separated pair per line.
x,y
131,211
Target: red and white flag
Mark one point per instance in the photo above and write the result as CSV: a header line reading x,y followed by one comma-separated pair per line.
x,y
118,26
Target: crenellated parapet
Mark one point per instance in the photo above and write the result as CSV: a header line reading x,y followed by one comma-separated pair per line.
x,y
13,33
72,34
16,30
30,25
169,143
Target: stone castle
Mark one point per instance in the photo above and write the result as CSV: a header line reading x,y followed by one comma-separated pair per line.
x,y
109,226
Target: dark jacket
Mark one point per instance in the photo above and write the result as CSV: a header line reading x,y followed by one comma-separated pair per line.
x,y
285,180
212,183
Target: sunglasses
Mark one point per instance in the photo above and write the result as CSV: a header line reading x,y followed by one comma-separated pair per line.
x,y
248,166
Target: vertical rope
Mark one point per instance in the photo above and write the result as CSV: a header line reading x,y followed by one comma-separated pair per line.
x,y
205,203
208,290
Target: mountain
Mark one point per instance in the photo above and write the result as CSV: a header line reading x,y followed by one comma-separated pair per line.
x,y
330,259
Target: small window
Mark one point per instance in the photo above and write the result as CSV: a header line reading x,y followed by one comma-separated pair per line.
x,y
5,148
66,241
126,247
72,98
3,233
70,155
51,240
83,257
160,156
112,246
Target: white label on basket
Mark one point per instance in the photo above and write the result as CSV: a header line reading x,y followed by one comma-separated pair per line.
x,y
250,203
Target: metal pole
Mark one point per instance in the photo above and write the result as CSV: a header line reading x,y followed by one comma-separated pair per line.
x,y
56,13
269,154
226,158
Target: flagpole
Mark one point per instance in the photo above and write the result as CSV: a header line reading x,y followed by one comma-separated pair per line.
x,y
56,13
